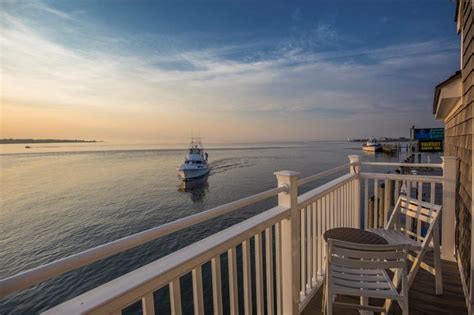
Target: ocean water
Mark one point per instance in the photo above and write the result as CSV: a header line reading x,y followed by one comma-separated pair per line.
x,y
57,200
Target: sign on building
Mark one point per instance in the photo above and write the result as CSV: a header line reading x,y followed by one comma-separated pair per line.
x,y
429,134
430,145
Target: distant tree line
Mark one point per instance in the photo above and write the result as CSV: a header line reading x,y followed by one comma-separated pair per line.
x,y
13,141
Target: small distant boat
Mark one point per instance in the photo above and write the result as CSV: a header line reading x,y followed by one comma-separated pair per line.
x,y
195,165
27,147
372,146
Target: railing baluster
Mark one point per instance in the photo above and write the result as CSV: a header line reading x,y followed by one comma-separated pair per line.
x,y
233,286
354,199
269,263
278,267
376,203
319,213
342,205
366,204
247,277
432,193
349,204
175,296
408,221
396,193
345,203
386,202
327,223
352,203
418,223
303,251
216,284
420,191
148,304
315,243
337,205
309,246
332,206
198,298
259,273
345,207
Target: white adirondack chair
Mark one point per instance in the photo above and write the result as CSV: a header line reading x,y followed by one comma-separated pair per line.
x,y
417,214
361,270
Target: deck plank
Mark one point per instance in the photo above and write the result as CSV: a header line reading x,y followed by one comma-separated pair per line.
x,y
422,297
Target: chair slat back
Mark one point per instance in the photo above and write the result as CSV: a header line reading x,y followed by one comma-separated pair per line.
x,y
354,255
415,211
419,210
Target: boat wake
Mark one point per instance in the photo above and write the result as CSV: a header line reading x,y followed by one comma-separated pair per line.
x,y
224,165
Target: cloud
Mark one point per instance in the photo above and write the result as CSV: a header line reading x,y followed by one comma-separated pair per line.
x,y
41,6
101,74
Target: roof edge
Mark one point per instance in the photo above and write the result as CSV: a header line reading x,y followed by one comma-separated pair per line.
x,y
455,76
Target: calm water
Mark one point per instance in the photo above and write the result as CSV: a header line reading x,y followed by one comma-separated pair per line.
x,y
54,204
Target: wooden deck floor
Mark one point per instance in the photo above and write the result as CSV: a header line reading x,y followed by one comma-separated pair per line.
x,y
422,297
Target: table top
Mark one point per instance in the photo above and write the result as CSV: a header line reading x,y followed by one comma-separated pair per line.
x,y
354,236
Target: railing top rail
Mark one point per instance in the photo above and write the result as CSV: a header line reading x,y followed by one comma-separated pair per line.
x,y
310,196
132,286
432,165
312,178
400,177
39,274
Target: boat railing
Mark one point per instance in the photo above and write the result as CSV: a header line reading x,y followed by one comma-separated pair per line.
x,y
275,258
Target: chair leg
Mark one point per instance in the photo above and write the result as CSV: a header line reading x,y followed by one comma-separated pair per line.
x,y
417,263
329,298
324,306
387,305
405,307
329,303
364,301
437,262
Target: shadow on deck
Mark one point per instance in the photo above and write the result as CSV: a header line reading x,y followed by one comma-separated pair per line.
x,y
422,297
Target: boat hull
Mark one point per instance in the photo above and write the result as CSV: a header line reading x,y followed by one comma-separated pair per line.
x,y
372,148
188,174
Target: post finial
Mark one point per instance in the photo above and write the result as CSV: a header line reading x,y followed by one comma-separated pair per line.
x,y
354,164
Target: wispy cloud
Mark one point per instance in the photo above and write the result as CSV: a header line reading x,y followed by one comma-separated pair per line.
x,y
42,7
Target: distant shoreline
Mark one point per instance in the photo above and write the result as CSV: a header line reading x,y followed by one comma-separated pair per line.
x,y
27,141
401,139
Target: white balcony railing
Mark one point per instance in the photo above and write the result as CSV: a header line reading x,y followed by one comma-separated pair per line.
x,y
281,250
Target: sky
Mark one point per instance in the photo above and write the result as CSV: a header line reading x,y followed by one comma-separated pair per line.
x,y
230,71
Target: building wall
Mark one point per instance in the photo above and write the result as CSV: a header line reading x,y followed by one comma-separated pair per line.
x,y
458,138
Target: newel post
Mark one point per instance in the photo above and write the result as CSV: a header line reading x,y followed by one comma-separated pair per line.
x,y
448,225
290,243
354,168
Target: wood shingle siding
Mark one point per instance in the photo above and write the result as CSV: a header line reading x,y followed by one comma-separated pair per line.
x,y
458,139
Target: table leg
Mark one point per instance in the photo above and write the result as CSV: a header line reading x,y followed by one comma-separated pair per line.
x,y
365,301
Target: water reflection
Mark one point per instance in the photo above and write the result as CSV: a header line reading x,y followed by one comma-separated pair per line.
x,y
197,188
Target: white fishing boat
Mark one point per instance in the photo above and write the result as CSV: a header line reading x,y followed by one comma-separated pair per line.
x,y
195,165
372,146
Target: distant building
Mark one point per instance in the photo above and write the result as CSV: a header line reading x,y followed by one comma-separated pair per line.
x,y
453,103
